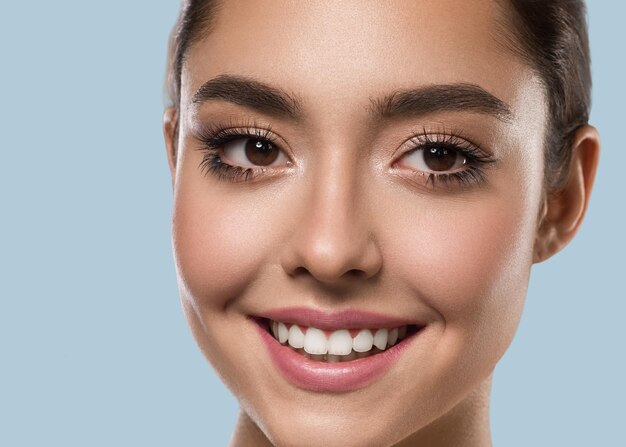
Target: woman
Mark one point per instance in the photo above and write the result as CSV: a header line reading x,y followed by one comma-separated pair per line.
x,y
361,189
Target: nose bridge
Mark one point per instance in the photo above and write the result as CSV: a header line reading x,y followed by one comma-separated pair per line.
x,y
333,240
334,208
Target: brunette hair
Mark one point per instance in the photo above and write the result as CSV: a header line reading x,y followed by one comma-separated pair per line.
x,y
550,35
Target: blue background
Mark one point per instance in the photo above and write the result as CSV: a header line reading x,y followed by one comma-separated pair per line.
x,y
94,349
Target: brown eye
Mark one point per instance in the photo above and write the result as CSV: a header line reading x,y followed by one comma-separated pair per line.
x,y
252,152
440,159
435,159
261,153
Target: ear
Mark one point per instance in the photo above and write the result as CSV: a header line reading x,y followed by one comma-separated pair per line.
x,y
170,132
563,210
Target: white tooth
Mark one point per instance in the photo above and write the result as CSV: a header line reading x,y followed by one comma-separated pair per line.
x,y
393,336
296,337
340,342
363,341
380,338
401,332
283,333
275,329
315,341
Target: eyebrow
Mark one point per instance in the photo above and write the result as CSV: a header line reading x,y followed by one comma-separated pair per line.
x,y
414,102
461,97
250,93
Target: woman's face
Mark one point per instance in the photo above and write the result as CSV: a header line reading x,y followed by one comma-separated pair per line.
x,y
396,176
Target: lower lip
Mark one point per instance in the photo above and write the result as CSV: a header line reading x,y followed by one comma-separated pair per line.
x,y
336,377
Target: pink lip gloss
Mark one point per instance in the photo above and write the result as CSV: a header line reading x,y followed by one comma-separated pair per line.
x,y
335,377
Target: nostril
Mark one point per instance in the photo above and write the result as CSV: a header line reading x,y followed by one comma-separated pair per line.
x,y
300,271
330,277
355,273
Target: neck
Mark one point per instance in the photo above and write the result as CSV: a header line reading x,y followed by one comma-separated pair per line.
x,y
466,424
248,433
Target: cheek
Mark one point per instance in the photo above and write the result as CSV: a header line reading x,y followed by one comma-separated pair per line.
x,y
469,260
220,241
462,254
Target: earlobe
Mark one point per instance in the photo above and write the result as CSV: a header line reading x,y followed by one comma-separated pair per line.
x,y
563,210
170,126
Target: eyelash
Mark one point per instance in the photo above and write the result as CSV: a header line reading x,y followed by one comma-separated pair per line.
x,y
214,138
476,159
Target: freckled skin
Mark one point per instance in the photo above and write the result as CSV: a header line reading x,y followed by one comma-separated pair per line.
x,y
456,257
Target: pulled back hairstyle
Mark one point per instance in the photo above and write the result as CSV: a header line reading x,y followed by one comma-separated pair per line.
x,y
549,35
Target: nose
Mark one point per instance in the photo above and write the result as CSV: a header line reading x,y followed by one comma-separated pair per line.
x,y
333,241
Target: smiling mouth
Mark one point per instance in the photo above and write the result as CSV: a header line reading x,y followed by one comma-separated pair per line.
x,y
339,345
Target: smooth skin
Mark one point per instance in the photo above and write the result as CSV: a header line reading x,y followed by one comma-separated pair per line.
x,y
350,223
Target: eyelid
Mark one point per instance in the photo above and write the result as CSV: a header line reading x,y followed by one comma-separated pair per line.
x,y
443,137
477,159
214,137
246,127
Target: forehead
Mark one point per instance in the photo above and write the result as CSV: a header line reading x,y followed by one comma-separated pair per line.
x,y
332,53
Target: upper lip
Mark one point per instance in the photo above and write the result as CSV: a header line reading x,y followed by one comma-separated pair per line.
x,y
329,320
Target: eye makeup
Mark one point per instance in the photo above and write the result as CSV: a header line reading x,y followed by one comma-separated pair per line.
x,y
440,158
444,158
215,138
